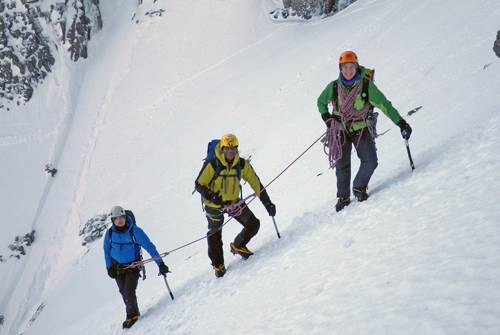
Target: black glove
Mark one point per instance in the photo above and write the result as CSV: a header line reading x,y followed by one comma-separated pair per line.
x,y
266,201
329,118
270,208
405,129
215,198
163,269
112,272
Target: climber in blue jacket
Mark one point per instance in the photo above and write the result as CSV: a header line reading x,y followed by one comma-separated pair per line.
x,y
122,246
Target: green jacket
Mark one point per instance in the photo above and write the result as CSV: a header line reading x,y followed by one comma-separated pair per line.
x,y
375,98
227,183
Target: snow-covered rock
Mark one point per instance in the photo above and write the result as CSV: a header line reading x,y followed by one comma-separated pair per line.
x,y
31,32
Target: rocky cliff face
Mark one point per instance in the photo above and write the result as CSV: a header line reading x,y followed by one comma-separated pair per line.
x,y
307,9
31,32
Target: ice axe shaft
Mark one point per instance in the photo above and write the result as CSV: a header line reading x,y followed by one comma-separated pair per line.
x,y
409,155
276,227
168,287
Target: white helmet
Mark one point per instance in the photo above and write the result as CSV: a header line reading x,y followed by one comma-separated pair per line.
x,y
117,211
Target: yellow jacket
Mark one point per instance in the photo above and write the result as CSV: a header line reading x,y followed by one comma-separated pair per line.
x,y
227,182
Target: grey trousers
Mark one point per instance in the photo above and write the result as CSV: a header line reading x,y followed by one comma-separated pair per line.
x,y
367,153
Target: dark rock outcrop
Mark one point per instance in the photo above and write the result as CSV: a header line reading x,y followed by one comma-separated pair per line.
x,y
496,45
20,244
31,32
306,9
94,228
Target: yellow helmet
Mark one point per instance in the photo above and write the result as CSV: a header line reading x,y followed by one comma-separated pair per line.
x,y
229,140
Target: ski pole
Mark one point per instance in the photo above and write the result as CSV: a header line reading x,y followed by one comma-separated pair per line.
x,y
276,227
409,155
168,287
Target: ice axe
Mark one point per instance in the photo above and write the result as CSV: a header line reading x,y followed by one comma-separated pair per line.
x,y
168,286
409,155
276,227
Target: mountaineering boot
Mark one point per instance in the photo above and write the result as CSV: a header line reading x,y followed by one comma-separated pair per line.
x,y
220,270
341,203
242,251
130,321
360,193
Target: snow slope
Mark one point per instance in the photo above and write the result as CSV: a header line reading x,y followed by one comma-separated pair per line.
x,y
419,257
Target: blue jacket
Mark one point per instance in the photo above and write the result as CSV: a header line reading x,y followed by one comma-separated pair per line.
x,y
121,249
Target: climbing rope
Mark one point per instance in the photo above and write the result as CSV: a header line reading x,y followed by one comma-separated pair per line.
x,y
334,138
333,143
347,111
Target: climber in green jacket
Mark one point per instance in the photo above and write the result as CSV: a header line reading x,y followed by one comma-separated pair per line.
x,y
353,96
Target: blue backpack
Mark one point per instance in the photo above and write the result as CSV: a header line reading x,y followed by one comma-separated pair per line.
x,y
211,150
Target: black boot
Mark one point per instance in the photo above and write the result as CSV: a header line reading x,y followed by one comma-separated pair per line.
x,y
341,203
130,321
219,270
360,193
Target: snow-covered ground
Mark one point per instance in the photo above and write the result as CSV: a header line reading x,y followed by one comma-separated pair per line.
x,y
130,125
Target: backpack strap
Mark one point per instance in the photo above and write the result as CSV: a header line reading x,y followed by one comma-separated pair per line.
x,y
142,268
217,169
110,231
132,236
335,95
241,166
371,116
216,165
369,76
364,90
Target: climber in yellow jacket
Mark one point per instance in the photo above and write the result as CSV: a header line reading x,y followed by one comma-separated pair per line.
x,y
219,185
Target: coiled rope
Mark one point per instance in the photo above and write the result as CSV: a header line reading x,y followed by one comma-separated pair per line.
x,y
348,114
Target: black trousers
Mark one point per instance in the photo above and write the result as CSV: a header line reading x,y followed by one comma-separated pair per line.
x,y
367,153
127,283
215,219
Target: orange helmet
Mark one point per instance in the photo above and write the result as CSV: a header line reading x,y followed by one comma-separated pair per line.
x,y
348,57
